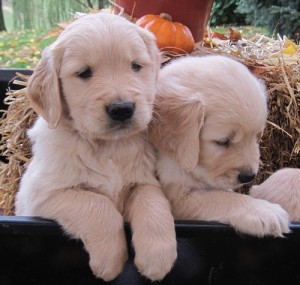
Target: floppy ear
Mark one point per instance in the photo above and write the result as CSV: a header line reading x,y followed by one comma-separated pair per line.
x,y
43,89
150,42
175,127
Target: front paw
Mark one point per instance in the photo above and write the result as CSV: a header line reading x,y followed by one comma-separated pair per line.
x,y
261,218
155,256
108,258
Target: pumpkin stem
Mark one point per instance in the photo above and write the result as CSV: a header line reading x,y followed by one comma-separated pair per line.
x,y
165,16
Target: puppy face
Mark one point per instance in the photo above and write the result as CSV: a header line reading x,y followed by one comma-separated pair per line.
x,y
225,127
229,146
99,76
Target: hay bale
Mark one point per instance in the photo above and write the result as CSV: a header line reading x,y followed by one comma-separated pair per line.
x,y
14,144
280,144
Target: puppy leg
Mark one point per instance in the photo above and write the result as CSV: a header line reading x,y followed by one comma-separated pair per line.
x,y
283,188
154,239
246,214
94,219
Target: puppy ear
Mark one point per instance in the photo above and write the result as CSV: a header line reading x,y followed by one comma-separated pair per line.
x,y
175,128
150,42
43,89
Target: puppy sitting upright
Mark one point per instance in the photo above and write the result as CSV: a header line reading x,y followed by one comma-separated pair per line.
x,y
92,165
209,116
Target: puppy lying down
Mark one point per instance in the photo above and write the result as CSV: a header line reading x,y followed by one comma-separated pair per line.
x,y
92,165
283,188
209,116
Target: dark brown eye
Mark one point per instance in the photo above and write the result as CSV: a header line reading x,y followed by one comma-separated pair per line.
x,y
135,66
87,73
223,142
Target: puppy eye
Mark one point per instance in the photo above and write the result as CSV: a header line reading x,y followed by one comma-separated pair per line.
x,y
87,73
135,66
223,142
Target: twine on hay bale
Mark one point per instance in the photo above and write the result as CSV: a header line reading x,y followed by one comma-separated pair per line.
x,y
280,144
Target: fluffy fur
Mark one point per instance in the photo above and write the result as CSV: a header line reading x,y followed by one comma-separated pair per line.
x,y
209,116
283,188
90,170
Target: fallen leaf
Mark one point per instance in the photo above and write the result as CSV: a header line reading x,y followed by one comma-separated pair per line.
x,y
289,47
218,36
234,35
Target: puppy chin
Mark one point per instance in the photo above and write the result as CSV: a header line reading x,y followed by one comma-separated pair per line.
x,y
227,182
113,131
224,181
120,132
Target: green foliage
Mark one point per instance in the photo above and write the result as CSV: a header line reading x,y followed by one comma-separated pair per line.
x,y
224,12
246,31
22,49
279,16
42,14
8,19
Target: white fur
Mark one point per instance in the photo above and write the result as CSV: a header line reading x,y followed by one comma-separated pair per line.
x,y
283,188
89,172
200,104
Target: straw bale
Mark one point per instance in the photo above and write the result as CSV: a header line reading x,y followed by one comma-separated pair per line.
x,y
280,144
15,145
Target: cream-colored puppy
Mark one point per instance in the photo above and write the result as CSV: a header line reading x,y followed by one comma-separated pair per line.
x,y
92,165
283,188
209,116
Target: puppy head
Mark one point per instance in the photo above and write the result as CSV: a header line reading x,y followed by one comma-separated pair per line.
x,y
219,126
99,76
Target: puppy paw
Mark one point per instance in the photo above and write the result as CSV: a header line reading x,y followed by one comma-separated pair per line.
x,y
107,259
261,218
155,257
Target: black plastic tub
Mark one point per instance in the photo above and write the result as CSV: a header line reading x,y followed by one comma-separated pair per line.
x,y
36,251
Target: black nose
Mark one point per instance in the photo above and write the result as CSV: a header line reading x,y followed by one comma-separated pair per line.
x,y
245,177
120,111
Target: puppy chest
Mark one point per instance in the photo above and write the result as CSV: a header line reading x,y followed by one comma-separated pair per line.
x,y
115,175
110,168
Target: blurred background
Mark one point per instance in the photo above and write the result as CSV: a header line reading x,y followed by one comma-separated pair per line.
x,y
27,26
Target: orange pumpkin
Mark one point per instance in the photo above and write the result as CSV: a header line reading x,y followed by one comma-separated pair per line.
x,y
171,36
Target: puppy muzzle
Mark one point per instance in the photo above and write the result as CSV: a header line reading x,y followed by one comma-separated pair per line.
x,y
120,111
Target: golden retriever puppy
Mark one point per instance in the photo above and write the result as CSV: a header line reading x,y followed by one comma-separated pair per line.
x,y
92,165
209,116
283,188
